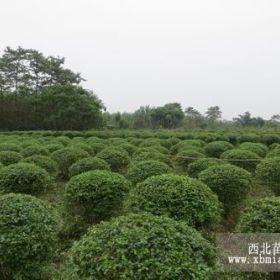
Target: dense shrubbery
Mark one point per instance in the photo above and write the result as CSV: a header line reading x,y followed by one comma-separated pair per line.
x,y
9,157
229,182
216,148
66,157
152,155
117,158
24,178
176,196
199,165
268,171
88,164
96,195
142,247
270,139
10,147
139,171
28,233
262,215
35,150
43,161
242,158
184,158
52,147
257,148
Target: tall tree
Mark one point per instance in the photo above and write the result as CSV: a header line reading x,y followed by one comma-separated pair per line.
x,y
28,68
214,113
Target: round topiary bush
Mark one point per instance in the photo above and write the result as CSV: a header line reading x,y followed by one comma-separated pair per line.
x,y
66,157
82,146
229,182
152,155
177,197
28,231
268,171
35,150
52,147
199,165
9,157
271,139
242,158
10,147
184,158
139,171
24,178
96,195
45,162
274,153
117,158
258,148
262,215
88,164
216,148
140,247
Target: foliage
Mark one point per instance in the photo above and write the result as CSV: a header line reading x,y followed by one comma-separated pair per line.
x,y
142,247
66,157
9,157
178,197
257,148
117,158
45,162
229,182
242,158
88,164
96,195
216,148
268,171
139,171
262,215
28,231
34,150
199,165
24,178
185,157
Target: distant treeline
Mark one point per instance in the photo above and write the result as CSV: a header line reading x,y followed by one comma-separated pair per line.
x,y
39,93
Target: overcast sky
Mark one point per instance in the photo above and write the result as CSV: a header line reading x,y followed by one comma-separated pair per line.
x,y
136,52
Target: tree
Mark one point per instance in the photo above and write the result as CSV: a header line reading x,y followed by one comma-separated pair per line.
x,y
170,115
246,119
67,107
142,117
193,118
214,113
28,68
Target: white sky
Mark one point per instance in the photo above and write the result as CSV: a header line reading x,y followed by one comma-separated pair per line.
x,y
136,52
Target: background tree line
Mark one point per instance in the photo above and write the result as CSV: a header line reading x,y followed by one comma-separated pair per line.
x,y
38,92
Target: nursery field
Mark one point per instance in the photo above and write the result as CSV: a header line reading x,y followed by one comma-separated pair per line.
x,y
131,204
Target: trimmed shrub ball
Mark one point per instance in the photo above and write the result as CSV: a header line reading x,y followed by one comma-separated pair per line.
x,y
10,147
52,147
9,157
242,158
271,139
66,157
177,197
184,158
139,171
229,182
96,195
82,146
258,148
117,158
268,171
35,150
88,164
28,231
45,162
216,148
262,215
274,153
141,247
24,178
152,155
199,165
